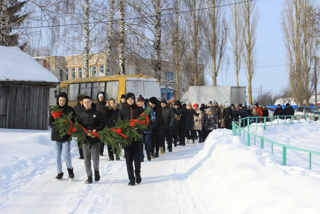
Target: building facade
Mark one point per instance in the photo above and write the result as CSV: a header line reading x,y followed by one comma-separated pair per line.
x,y
72,67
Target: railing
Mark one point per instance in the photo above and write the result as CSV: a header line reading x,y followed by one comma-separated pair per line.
x,y
274,120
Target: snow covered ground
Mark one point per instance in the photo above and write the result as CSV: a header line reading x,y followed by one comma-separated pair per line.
x,y
221,175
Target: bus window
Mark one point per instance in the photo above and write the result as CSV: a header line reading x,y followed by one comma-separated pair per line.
x,y
151,89
97,87
73,91
135,87
112,90
85,88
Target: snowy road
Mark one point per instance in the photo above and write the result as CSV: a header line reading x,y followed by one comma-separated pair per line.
x,y
222,175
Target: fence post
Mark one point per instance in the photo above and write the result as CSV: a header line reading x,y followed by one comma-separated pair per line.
x,y
284,155
248,139
278,119
254,140
262,142
248,124
310,161
291,121
265,123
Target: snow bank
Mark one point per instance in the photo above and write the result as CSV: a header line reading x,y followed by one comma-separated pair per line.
x,y
222,175
16,65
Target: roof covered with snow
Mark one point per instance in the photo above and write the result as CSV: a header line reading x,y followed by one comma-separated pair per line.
x,y
16,65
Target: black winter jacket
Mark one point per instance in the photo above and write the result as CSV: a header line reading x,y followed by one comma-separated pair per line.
x,y
55,135
91,119
217,111
288,111
158,123
112,117
168,118
278,111
128,112
181,112
190,119
227,116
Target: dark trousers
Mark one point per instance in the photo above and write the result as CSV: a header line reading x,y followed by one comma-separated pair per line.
x,y
147,144
191,135
182,135
156,140
111,152
80,150
101,148
199,135
167,135
132,153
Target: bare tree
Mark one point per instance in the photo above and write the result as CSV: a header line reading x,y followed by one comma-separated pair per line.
x,y
235,36
216,36
264,97
298,29
250,16
109,36
122,39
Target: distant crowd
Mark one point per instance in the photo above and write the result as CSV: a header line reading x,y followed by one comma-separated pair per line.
x,y
171,124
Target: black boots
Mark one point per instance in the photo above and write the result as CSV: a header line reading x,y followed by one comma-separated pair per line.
x,y
89,181
71,175
131,183
59,176
97,175
138,179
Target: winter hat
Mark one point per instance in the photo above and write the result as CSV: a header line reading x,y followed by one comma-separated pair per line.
x,y
123,96
153,100
210,102
226,105
215,102
208,110
177,103
163,100
240,105
195,105
62,94
287,104
130,95
100,95
140,99
257,104
232,106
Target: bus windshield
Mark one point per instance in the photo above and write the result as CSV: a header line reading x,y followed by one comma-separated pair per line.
x,y
143,87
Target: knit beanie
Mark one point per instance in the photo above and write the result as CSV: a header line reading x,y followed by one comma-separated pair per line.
x,y
140,99
153,100
130,95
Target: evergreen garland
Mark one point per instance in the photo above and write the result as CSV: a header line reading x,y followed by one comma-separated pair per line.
x,y
64,124
79,133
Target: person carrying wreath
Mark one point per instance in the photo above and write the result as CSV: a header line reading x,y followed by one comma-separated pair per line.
x,y
61,144
92,121
132,152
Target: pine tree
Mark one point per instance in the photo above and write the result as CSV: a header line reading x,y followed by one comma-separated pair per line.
x,y
9,19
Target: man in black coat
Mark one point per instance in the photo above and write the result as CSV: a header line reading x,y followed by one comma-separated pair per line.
x,y
243,113
61,144
181,111
101,107
227,116
278,111
156,127
168,124
92,120
132,152
79,108
288,111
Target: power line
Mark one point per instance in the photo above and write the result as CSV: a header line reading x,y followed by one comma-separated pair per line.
x,y
133,18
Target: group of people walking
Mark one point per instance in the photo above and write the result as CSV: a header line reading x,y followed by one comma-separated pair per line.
x,y
171,123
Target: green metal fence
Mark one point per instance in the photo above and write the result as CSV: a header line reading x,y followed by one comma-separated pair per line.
x,y
241,128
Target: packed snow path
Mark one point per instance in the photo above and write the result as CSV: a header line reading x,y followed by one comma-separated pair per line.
x,y
221,175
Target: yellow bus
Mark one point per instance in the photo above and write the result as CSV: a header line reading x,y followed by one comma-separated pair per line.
x,y
113,86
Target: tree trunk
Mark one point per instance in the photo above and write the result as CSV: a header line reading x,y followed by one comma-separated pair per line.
x,y
177,50
121,43
109,37
195,43
157,43
3,21
86,39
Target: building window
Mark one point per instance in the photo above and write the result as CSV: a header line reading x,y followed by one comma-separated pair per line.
x,y
73,73
169,76
93,70
63,74
80,72
101,68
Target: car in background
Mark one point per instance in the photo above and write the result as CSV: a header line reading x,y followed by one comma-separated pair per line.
x,y
312,113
